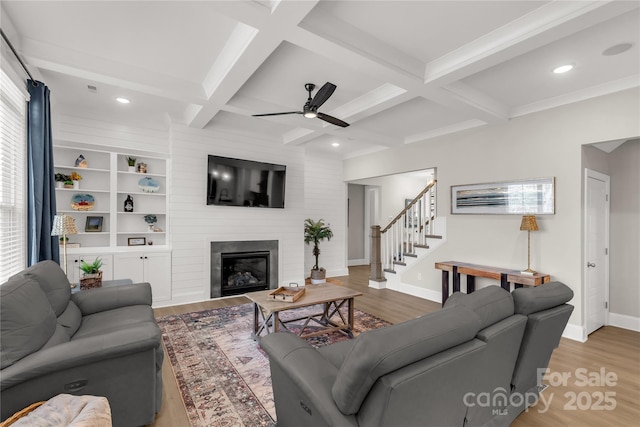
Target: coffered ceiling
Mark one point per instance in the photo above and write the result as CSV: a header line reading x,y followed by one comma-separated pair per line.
x,y
404,71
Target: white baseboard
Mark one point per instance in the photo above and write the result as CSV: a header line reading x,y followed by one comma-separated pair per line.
x,y
420,292
377,285
186,298
624,321
353,262
575,333
338,272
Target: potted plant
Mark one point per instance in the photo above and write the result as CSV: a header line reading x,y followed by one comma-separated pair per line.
x,y
60,179
151,219
75,178
92,277
315,232
131,161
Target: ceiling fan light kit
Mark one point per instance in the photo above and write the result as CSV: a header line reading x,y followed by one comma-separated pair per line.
x,y
310,108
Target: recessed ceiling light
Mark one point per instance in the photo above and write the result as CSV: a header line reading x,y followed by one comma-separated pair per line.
x,y
563,69
122,100
617,49
335,144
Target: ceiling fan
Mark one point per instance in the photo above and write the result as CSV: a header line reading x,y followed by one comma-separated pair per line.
x,y
310,109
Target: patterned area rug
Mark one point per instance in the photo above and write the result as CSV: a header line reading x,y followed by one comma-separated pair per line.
x,y
222,374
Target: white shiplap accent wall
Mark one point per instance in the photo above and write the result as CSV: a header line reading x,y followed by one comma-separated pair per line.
x,y
314,189
122,138
195,225
326,197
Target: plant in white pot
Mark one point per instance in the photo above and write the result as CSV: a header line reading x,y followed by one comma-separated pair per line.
x,y
131,162
315,232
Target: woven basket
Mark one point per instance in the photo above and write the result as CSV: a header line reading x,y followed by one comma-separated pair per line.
x,y
91,281
23,413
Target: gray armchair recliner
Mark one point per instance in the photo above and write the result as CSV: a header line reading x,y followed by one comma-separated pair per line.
x,y
102,342
428,371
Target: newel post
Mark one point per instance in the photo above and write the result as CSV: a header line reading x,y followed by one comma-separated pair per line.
x,y
376,258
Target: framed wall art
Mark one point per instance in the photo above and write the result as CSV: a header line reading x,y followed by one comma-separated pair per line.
x,y
137,241
528,196
93,224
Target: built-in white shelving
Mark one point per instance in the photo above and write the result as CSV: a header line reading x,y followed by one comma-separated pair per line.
x,y
108,179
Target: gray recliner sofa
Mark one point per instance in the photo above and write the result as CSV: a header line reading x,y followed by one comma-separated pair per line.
x,y
428,371
102,342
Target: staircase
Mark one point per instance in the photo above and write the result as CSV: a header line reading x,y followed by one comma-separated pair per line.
x,y
412,235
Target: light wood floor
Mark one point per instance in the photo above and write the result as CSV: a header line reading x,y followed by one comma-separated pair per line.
x,y
613,349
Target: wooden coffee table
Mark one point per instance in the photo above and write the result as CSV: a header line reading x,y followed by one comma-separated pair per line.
x,y
266,311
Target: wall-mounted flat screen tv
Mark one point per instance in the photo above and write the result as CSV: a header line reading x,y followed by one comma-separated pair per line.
x,y
238,182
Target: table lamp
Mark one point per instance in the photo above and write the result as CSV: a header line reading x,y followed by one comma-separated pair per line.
x,y
63,225
529,224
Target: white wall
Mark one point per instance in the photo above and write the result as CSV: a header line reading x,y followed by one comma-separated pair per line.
x,y
325,196
624,268
538,145
355,225
394,191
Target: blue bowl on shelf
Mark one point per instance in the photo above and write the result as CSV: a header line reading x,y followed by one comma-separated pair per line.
x,y
149,185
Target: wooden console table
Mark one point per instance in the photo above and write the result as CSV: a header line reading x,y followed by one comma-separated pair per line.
x,y
506,276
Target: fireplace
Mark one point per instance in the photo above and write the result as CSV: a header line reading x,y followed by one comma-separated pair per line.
x,y
243,266
244,272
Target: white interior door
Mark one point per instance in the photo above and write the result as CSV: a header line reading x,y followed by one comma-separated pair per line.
x,y
596,250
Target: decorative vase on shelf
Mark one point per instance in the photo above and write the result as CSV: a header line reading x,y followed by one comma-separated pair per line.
x,y
132,168
128,204
76,185
59,184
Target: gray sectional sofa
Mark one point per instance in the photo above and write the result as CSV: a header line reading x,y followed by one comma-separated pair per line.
x,y
102,342
428,371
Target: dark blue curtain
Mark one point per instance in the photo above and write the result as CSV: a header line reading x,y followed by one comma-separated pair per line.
x,y
41,196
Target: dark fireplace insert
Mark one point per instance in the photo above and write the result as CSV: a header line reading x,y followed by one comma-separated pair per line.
x,y
244,272
243,266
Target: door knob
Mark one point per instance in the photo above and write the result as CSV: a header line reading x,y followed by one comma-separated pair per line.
x,y
591,264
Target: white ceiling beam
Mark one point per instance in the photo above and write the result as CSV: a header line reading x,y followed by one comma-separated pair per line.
x,y
250,13
476,102
378,99
457,127
541,26
619,85
357,41
231,71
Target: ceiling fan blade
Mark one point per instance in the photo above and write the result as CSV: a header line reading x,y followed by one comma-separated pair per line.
x,y
322,95
276,114
332,120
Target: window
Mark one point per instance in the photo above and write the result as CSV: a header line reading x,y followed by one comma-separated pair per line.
x,y
12,178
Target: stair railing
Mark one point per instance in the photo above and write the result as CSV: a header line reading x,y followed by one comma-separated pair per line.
x,y
407,231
